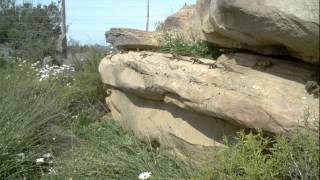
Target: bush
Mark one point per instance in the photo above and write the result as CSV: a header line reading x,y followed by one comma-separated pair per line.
x,y
32,31
175,43
295,156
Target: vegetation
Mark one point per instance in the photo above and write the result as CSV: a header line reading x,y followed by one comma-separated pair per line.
x,y
34,98
106,151
256,157
26,107
110,153
175,42
32,31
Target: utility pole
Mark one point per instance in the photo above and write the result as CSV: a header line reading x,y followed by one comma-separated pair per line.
x,y
64,28
148,9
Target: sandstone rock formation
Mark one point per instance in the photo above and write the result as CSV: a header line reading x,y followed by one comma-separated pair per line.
x,y
191,106
131,39
270,27
181,21
190,103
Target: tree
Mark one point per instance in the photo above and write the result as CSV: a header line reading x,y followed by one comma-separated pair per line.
x,y
31,30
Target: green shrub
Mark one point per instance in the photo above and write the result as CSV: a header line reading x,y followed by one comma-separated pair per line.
x,y
295,156
32,31
176,43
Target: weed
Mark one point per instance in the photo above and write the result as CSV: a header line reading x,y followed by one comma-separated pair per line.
x,y
176,43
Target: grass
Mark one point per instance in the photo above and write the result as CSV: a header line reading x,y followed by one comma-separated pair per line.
x,y
105,150
253,156
26,107
109,152
100,149
176,43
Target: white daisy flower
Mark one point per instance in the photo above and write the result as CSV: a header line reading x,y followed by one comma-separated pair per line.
x,y
144,175
52,171
20,157
47,156
40,161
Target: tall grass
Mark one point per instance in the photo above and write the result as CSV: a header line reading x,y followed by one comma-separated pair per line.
x,y
26,106
110,153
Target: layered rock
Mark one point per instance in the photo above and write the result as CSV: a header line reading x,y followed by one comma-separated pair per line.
x,y
131,39
269,27
191,106
181,21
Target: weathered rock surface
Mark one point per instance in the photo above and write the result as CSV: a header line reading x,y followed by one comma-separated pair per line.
x,y
270,27
131,39
181,21
157,96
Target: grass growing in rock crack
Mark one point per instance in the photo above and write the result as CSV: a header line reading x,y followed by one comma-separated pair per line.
x,y
176,43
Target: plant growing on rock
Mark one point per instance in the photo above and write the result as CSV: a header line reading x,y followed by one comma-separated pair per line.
x,y
175,42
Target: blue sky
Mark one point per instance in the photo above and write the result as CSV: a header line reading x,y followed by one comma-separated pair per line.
x,y
88,20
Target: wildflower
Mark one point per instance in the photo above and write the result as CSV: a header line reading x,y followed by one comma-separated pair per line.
x,y
144,175
40,161
52,171
20,157
47,156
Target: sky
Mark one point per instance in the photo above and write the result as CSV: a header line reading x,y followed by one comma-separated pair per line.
x,y
87,20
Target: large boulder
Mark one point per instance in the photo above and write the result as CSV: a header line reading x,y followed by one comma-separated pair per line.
x,y
191,106
131,39
181,21
270,27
